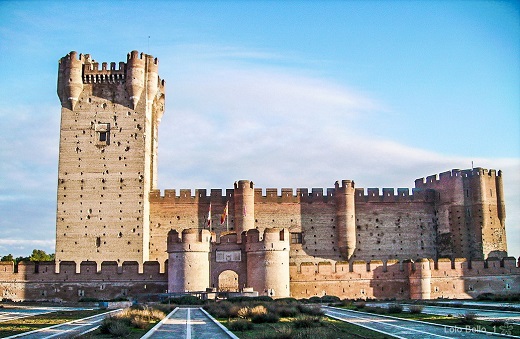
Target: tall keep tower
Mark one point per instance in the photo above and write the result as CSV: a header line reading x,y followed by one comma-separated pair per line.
x,y
107,159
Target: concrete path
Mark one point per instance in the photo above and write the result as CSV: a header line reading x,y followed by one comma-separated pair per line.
x,y
511,317
66,330
405,329
16,312
189,323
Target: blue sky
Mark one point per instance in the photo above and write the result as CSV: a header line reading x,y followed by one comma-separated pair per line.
x,y
287,94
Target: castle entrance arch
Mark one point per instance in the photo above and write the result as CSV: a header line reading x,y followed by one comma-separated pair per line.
x,y
228,281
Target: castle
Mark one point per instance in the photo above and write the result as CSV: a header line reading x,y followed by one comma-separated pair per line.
x,y
117,234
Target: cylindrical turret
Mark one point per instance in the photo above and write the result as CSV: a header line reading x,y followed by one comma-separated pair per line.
x,y
188,260
135,76
346,218
152,77
70,79
244,206
419,275
268,262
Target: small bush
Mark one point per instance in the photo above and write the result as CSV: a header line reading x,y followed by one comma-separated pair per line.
x,y
240,325
140,322
288,311
185,300
286,301
315,300
307,322
258,310
330,299
311,310
119,329
359,305
416,309
395,308
265,318
467,318
249,299
244,312
114,326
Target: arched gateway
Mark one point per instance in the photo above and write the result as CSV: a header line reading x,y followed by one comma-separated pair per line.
x,y
228,281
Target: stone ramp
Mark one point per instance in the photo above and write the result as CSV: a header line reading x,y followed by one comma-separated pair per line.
x,y
189,323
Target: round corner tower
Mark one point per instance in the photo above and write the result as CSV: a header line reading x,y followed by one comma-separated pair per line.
x,y
346,217
244,194
268,262
188,260
419,275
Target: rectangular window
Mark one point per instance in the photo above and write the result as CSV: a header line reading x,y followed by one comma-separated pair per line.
x,y
102,134
296,238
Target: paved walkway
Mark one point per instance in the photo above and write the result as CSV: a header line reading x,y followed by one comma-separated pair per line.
x,y
66,330
511,317
10,312
401,328
189,323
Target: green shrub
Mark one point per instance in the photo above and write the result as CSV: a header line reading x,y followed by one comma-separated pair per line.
x,y
287,311
240,325
185,300
395,308
416,309
307,322
286,301
119,329
467,318
315,300
258,310
140,322
265,318
244,312
329,299
359,305
249,299
311,310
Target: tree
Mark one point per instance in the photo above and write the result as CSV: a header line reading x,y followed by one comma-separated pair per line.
x,y
40,255
8,257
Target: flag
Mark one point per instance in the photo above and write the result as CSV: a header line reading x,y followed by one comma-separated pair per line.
x,y
224,214
209,216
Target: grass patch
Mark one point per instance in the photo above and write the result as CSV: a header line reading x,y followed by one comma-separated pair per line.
x,y
325,328
17,326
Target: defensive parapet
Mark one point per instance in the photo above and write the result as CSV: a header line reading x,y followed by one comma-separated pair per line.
x,y
346,218
388,195
140,72
188,261
268,262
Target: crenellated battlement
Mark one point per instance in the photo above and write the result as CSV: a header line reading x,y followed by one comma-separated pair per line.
x,y
388,195
435,180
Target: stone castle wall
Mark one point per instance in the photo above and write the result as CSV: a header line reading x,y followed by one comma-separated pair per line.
x,y
357,280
